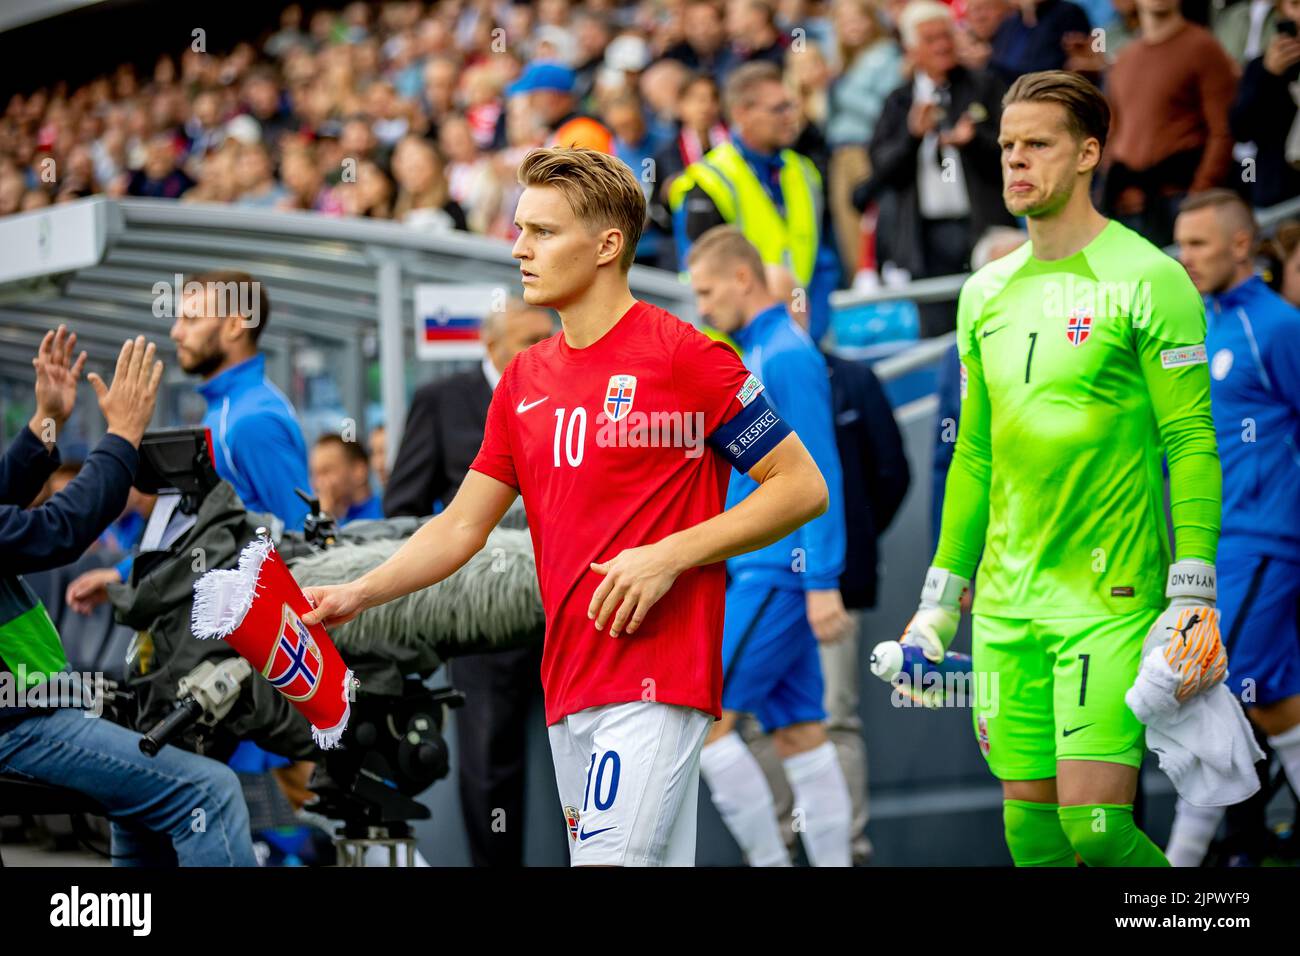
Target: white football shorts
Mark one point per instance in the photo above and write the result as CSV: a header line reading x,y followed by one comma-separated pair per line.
x,y
629,778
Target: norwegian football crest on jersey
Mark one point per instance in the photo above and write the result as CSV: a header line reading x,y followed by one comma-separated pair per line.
x,y
618,396
295,664
1079,326
571,817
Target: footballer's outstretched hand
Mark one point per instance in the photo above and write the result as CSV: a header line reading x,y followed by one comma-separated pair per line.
x,y
334,604
1188,629
934,624
634,580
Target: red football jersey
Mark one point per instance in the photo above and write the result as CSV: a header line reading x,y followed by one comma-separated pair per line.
x,y
607,446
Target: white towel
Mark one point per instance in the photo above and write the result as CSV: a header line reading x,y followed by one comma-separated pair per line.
x,y
1205,743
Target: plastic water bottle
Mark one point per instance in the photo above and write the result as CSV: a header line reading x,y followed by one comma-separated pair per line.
x,y
910,671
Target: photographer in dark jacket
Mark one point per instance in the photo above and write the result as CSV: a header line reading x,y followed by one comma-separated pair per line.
x,y
48,726
935,148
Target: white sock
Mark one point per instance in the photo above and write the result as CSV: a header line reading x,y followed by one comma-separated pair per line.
x,y
1194,828
821,797
1287,747
742,796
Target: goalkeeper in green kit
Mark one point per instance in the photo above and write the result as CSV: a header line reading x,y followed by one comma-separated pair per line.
x,y
1082,368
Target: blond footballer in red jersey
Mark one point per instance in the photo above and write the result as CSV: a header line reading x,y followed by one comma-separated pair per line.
x,y
619,432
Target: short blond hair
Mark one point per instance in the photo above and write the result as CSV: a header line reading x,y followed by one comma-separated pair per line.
x,y
726,245
600,189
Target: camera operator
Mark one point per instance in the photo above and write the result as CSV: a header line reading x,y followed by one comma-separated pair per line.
x,y
152,800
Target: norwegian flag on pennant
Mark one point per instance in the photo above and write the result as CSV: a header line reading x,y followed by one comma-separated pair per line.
x,y
257,607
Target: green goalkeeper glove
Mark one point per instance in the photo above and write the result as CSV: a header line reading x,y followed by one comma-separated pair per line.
x,y
934,624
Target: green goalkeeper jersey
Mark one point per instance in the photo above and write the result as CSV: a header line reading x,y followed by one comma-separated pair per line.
x,y
1078,376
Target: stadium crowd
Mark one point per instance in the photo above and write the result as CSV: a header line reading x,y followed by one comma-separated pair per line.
x,y
421,113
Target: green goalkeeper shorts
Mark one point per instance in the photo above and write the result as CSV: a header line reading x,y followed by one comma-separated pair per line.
x,y
1055,691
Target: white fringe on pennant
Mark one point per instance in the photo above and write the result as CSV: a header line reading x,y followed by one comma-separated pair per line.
x,y
223,597
221,601
329,739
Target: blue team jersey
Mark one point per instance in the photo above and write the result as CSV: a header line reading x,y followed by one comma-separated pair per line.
x,y
1253,347
257,441
794,377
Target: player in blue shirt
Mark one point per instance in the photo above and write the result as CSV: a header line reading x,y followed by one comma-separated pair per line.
x,y
784,598
256,439
340,478
1253,347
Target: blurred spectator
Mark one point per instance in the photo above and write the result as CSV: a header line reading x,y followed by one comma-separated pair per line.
x,y
255,182
1122,29
759,183
34,199
12,191
977,29
873,66
1032,37
340,478
549,90
1246,28
1264,113
471,181
704,47
159,178
634,145
935,148
701,128
109,155
1285,247
1169,91
625,58
265,104
290,33
216,177
423,196
591,34
305,184
751,28
441,74
483,106
204,128
390,121
524,131
357,140
809,75
662,86
371,196
802,19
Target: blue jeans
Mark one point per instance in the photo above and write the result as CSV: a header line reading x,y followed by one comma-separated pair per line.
x,y
154,802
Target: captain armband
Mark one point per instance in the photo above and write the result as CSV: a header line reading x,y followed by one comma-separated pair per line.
x,y
750,434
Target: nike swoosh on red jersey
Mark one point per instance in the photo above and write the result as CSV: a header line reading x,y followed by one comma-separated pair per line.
x,y
521,408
